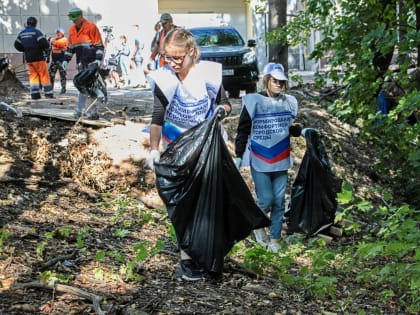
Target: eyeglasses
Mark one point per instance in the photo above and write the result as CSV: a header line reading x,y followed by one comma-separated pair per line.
x,y
275,81
175,59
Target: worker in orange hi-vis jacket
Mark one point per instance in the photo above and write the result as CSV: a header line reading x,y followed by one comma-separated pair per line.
x,y
35,46
84,40
157,51
58,62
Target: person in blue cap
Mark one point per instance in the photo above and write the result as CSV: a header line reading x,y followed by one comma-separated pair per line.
x,y
265,126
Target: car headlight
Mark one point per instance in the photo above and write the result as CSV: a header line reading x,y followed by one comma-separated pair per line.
x,y
249,57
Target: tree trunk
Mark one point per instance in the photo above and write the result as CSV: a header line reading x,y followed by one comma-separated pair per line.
x,y
417,5
277,52
382,60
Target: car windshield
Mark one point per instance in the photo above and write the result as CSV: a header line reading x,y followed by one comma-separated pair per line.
x,y
217,37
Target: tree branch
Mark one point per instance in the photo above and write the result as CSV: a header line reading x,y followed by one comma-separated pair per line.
x,y
95,299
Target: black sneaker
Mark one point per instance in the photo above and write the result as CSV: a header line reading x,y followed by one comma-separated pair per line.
x,y
63,91
187,270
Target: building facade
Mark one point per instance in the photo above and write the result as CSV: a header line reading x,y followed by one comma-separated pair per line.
x,y
136,19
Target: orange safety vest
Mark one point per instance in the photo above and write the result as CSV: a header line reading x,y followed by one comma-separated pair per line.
x,y
85,42
88,34
58,45
162,61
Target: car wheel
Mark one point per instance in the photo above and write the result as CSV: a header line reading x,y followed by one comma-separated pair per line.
x,y
234,93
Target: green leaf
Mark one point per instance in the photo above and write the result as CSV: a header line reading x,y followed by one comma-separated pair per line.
x,y
100,255
122,233
346,194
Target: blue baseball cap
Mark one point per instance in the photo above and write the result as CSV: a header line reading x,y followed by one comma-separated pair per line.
x,y
275,70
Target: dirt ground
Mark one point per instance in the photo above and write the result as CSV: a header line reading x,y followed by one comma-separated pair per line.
x,y
66,191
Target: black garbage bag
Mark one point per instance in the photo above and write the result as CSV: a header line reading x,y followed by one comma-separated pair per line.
x,y
314,191
91,82
208,202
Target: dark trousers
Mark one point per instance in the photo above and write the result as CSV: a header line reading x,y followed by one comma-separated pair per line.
x,y
54,66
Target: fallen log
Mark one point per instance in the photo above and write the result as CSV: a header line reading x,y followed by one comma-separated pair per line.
x,y
95,299
336,231
345,223
328,239
67,115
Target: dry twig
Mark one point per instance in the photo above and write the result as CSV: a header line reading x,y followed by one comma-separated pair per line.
x,y
55,260
95,299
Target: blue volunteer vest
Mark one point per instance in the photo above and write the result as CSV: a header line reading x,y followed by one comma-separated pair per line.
x,y
191,101
269,138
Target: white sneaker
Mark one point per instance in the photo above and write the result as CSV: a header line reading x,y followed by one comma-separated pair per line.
x,y
275,247
261,237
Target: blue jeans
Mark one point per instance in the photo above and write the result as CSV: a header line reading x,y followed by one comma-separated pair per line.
x,y
271,188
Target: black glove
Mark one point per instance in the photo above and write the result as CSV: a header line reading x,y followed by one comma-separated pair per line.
x,y
99,55
46,54
221,112
67,56
295,130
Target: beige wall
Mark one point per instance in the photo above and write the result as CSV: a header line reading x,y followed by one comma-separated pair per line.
x,y
50,15
232,12
124,15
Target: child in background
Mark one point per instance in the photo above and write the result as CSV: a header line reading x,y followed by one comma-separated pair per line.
x,y
266,123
